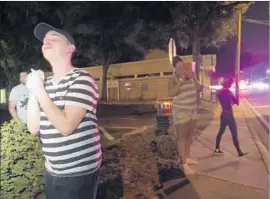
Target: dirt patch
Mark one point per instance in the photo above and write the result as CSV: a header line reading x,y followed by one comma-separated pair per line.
x,y
136,165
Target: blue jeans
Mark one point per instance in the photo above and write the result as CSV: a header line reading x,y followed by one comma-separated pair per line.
x,y
78,187
227,119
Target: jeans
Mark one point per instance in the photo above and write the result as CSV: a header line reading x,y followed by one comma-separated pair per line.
x,y
78,187
227,119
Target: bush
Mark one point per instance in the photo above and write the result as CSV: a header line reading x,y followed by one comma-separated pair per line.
x,y
22,164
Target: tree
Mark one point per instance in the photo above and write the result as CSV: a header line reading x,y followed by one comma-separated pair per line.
x,y
19,50
101,34
192,24
207,24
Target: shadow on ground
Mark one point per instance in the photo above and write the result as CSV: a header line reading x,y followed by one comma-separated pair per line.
x,y
205,117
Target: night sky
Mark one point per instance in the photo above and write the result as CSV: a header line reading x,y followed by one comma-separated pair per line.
x,y
255,38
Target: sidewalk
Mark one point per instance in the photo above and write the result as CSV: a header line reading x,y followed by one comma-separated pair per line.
x,y
228,176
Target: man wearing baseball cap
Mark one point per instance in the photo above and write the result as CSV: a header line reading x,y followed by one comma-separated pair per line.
x,y
62,110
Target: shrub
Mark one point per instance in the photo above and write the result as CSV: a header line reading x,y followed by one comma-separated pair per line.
x,y
22,164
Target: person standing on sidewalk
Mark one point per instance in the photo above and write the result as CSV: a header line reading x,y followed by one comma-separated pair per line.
x,y
63,111
226,99
183,89
18,99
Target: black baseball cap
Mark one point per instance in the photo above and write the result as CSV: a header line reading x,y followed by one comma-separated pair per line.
x,y
43,28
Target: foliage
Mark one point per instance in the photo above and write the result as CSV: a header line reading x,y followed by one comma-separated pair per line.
x,y
19,50
111,32
22,163
101,34
192,24
100,31
212,22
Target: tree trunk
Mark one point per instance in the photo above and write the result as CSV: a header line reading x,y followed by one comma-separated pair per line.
x,y
196,45
104,82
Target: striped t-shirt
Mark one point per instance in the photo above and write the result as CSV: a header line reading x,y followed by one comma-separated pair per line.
x,y
186,100
80,152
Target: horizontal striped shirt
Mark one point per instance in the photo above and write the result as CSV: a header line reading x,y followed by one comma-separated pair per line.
x,y
80,152
186,100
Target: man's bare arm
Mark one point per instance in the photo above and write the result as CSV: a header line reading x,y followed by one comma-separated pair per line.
x,y
64,121
12,109
33,115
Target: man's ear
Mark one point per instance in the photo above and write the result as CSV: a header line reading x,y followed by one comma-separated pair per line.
x,y
71,48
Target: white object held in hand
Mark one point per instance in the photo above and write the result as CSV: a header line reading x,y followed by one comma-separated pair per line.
x,y
33,81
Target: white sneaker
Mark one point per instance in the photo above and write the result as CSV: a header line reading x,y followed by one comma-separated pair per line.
x,y
190,161
187,170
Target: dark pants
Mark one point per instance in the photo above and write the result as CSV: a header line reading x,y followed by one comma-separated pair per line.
x,y
79,187
227,119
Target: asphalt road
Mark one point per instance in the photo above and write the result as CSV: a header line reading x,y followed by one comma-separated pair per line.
x,y
260,102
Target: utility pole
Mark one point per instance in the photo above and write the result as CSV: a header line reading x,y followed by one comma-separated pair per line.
x,y
238,54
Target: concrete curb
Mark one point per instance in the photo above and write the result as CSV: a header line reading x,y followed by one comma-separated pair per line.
x,y
119,127
125,136
106,133
261,148
138,131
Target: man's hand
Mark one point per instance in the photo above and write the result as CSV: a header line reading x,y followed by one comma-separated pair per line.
x,y
35,82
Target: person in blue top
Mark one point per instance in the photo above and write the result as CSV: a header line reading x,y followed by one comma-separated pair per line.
x,y
227,99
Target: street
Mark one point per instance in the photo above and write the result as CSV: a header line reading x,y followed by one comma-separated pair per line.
x,y
260,101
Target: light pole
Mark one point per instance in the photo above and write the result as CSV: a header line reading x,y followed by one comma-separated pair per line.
x,y
268,77
238,54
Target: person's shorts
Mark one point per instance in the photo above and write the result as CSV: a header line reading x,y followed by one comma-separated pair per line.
x,y
181,116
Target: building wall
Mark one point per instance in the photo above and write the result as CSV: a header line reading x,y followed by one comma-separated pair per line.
x,y
153,75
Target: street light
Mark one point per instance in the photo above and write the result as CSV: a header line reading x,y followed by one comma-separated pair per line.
x,y
238,53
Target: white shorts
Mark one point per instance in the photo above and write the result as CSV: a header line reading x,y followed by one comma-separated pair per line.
x,y
181,116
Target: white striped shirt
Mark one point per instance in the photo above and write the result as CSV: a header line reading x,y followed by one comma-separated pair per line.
x,y
79,153
186,100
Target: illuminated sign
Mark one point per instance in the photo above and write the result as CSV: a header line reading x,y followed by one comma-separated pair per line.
x,y
164,106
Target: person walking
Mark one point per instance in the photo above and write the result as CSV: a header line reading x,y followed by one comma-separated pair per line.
x,y
226,99
183,88
63,111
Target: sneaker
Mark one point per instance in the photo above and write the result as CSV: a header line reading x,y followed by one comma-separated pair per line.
x,y
241,154
190,161
218,151
187,170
